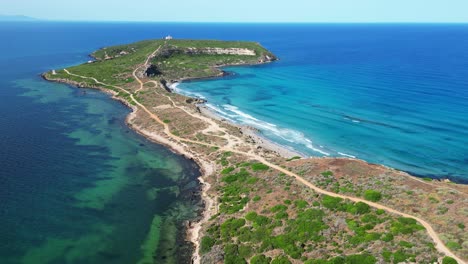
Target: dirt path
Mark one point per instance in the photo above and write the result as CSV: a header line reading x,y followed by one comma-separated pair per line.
x,y
145,64
430,231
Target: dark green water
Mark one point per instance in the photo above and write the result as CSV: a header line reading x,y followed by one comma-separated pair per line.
x,y
76,184
79,187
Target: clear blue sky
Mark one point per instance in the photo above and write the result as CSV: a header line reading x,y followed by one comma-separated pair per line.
x,y
242,10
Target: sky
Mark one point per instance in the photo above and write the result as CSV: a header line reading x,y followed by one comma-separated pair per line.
x,y
357,11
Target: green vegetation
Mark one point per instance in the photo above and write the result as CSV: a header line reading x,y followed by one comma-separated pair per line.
x,y
372,195
175,59
244,164
260,259
405,226
406,244
359,208
230,227
330,202
293,158
301,204
227,170
192,58
235,192
400,256
351,259
380,211
259,167
224,157
453,245
232,256
206,243
297,227
117,70
449,260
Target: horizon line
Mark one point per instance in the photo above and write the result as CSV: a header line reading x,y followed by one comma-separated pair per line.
x,y
238,22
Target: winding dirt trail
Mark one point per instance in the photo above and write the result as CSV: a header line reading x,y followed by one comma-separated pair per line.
x,y
440,246
145,65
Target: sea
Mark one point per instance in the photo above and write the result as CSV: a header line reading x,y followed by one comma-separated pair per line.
x,y
391,94
78,186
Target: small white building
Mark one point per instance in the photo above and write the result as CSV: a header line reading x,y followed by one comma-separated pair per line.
x,y
168,37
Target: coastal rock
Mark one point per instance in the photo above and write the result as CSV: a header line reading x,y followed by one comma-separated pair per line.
x,y
165,85
195,101
267,58
221,51
167,52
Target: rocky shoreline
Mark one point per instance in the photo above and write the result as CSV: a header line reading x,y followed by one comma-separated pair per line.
x,y
190,230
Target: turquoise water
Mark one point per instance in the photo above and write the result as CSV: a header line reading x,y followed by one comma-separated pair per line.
x,y
389,94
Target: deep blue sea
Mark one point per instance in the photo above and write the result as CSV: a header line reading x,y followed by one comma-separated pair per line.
x,y
77,186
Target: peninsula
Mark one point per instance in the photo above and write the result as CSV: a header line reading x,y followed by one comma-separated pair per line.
x,y
264,204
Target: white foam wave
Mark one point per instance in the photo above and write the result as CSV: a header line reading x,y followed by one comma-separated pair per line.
x,y
216,109
220,113
236,110
175,87
352,120
346,155
288,135
310,146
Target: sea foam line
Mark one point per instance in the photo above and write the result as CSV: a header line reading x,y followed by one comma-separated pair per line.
x,y
346,155
175,87
288,135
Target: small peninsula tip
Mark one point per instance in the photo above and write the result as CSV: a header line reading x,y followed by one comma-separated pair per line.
x,y
170,60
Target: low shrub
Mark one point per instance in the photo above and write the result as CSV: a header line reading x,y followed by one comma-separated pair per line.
x,y
372,195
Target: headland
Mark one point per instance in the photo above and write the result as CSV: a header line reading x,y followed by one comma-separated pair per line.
x,y
263,203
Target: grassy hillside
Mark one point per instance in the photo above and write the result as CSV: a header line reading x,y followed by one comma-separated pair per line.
x,y
176,59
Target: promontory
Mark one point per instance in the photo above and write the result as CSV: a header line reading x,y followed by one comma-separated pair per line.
x,y
264,205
